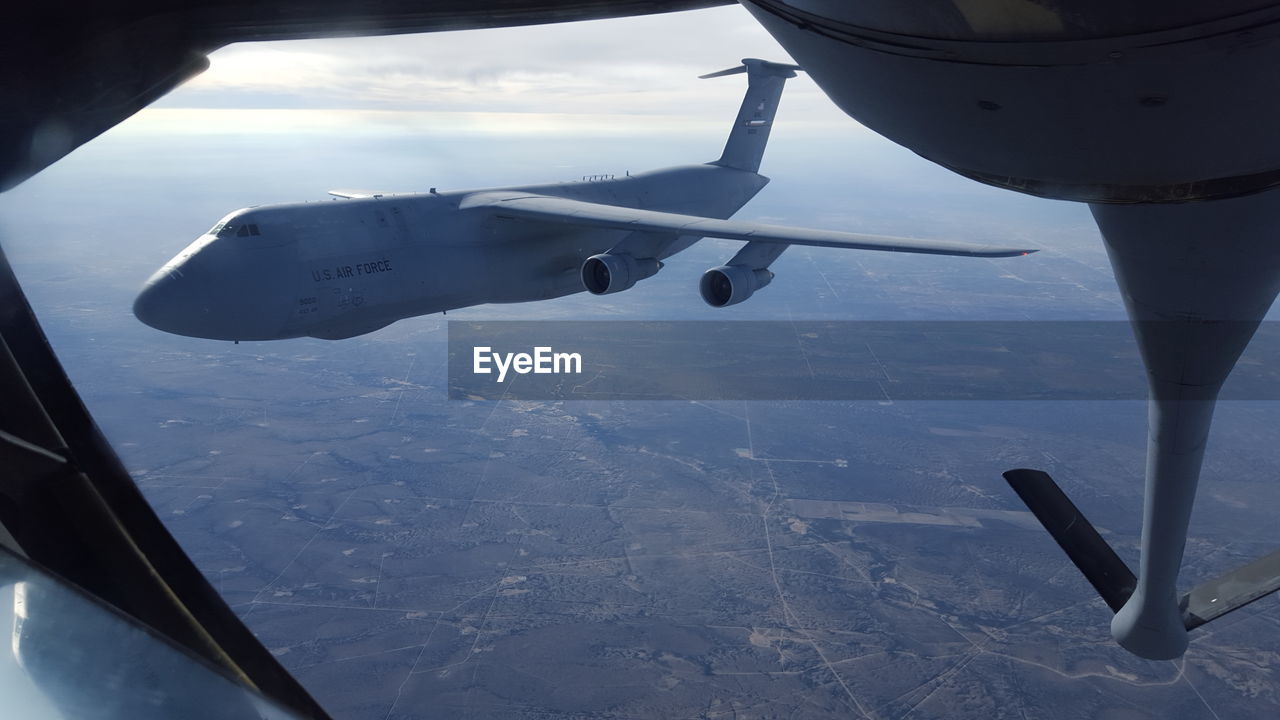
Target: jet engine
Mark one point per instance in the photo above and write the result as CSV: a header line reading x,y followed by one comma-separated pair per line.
x,y
731,284
614,272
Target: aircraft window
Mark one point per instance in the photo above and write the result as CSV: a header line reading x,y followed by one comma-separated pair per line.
x,y
227,230
216,229
243,231
253,229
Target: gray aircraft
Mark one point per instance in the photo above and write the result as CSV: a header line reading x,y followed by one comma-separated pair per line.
x,y
339,269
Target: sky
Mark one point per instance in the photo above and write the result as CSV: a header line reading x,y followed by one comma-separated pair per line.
x,y
643,66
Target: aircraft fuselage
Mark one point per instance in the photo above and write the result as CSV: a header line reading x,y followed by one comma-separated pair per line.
x,y
340,268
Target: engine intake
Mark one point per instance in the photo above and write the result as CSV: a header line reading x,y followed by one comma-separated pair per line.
x,y
731,284
610,273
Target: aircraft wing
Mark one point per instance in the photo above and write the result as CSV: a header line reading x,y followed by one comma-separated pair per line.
x,y
352,194
586,214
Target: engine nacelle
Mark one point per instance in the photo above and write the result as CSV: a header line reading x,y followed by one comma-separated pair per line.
x,y
610,273
731,284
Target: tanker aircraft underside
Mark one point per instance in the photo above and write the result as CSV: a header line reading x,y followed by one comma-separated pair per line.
x,y
1161,116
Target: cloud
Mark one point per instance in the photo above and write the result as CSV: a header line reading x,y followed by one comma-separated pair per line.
x,y
630,66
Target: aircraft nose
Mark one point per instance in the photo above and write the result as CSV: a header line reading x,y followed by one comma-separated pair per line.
x,y
217,293
165,303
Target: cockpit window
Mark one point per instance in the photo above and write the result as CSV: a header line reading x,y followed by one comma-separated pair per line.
x,y
229,230
233,226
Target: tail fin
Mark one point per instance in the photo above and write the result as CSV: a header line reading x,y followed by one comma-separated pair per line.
x,y
751,130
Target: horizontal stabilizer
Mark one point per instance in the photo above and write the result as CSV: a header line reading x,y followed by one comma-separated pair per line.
x,y
1112,578
721,73
763,66
612,217
1075,535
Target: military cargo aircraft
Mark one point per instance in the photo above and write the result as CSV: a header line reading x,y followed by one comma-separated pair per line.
x,y
339,269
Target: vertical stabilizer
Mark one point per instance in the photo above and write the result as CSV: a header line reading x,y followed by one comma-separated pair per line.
x,y
755,118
